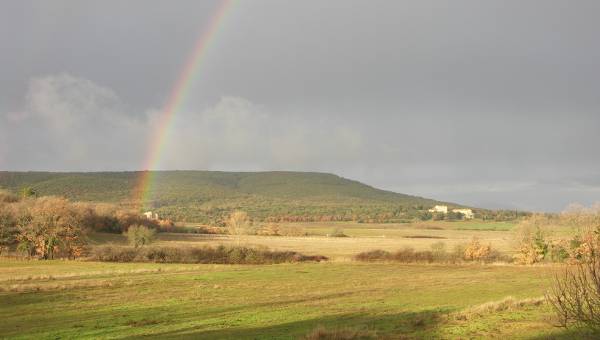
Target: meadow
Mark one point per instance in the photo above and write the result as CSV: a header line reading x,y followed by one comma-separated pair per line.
x,y
81,299
71,299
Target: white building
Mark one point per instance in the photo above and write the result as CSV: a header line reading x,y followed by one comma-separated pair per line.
x,y
150,215
467,213
439,209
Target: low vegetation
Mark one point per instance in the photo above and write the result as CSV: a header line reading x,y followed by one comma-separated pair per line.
x,y
473,251
575,294
207,255
507,304
289,300
536,240
338,232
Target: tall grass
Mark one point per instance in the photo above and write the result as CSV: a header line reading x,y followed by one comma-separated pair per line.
x,y
507,304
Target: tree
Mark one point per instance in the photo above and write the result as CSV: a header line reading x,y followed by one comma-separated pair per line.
x,y
8,228
239,224
139,235
49,225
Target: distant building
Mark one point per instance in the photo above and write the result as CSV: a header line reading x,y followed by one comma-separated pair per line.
x,y
150,215
439,209
467,213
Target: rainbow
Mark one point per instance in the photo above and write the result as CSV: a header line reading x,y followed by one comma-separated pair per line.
x,y
177,97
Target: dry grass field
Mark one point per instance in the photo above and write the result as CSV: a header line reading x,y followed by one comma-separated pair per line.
x,y
361,237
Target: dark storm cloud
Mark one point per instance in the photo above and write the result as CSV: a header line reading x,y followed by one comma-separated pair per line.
x,y
489,103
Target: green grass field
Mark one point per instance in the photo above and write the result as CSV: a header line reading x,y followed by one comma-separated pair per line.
x,y
77,299
70,299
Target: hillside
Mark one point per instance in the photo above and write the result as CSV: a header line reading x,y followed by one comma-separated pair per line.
x,y
206,196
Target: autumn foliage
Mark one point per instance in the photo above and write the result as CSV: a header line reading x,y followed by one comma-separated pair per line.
x,y
53,227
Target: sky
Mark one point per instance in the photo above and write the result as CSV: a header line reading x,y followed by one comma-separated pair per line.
x,y
486,103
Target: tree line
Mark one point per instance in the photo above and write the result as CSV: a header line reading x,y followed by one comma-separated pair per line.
x,y
54,227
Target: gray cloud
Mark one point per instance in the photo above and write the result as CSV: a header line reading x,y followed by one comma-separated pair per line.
x,y
70,123
485,103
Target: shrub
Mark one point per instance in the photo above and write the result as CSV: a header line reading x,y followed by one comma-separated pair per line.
x,y
373,255
139,235
110,253
438,254
476,251
406,255
575,295
206,255
338,232
409,255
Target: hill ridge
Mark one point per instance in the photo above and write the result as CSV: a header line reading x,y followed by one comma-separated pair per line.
x,y
203,195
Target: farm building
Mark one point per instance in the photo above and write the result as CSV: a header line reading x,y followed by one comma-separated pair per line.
x,y
150,215
439,209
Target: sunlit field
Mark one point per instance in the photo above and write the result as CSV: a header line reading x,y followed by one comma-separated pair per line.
x,y
285,301
361,237
70,299
312,170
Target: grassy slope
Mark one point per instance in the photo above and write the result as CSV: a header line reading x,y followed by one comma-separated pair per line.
x,y
184,195
103,300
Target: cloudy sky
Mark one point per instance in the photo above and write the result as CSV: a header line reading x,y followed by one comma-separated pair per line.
x,y
488,103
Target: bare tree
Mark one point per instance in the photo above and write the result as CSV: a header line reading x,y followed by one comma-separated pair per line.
x,y
239,224
575,295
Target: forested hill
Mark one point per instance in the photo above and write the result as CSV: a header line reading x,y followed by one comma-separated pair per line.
x,y
203,196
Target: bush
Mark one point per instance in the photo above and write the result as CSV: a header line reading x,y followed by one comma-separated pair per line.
x,y
373,255
406,255
575,295
437,254
139,235
205,255
110,253
338,232
476,251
